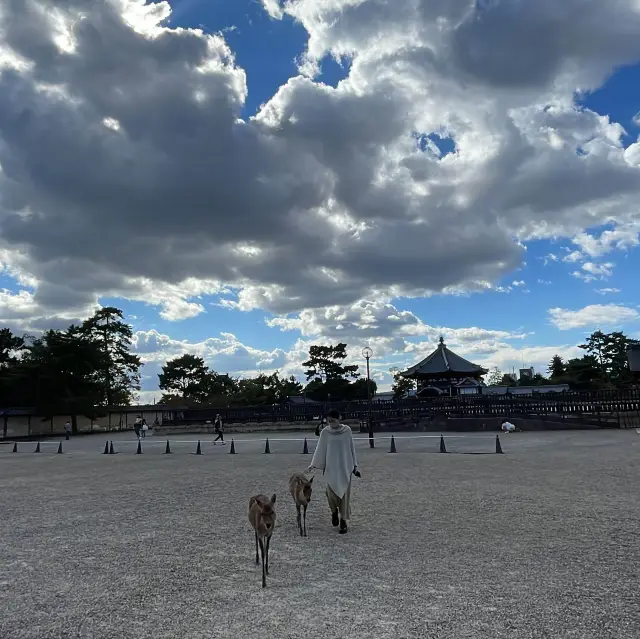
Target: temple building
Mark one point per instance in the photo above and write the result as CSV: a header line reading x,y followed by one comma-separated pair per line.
x,y
444,372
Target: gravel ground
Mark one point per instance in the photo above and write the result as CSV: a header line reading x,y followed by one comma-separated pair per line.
x,y
539,542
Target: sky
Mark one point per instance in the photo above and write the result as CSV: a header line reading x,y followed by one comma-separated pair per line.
x,y
246,178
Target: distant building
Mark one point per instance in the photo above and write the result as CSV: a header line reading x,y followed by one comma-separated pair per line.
x,y
633,357
444,372
299,399
526,374
525,390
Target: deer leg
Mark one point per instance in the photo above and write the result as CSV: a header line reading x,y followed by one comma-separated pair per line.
x,y
298,519
267,544
305,519
257,558
262,553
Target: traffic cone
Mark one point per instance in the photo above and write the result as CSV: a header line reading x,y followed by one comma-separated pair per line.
x,y
37,450
60,448
266,447
111,451
139,451
232,450
443,448
15,447
198,449
167,450
498,445
393,445
106,448
305,448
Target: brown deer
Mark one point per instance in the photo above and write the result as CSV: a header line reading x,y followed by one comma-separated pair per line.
x,y
262,517
300,489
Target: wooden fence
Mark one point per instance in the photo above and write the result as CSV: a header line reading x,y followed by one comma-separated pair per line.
x,y
557,405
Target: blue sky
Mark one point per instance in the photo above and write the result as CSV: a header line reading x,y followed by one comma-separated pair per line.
x,y
544,297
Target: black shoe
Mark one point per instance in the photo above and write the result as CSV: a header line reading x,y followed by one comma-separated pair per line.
x,y
343,527
334,519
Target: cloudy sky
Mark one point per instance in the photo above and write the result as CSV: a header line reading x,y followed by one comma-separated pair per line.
x,y
248,177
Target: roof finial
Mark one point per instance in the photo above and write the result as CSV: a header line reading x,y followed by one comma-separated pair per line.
x,y
442,339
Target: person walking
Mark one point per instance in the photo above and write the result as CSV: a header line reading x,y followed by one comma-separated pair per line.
x,y
335,456
217,424
137,425
67,429
144,428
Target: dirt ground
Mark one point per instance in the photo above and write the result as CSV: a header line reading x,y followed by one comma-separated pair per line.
x,y
539,542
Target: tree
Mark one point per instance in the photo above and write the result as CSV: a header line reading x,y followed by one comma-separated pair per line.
x,y
610,351
187,376
557,368
584,373
10,344
508,380
495,377
358,389
401,385
120,372
325,363
57,374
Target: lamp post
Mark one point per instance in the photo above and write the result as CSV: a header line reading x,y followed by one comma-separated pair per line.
x,y
367,353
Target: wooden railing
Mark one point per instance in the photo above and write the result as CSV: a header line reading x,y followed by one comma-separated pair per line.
x,y
560,405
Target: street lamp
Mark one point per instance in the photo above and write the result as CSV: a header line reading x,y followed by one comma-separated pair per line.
x,y
367,353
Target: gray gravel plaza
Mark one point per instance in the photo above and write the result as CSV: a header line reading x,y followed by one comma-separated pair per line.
x,y
540,542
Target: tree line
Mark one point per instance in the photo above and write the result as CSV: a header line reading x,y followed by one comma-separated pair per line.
x,y
187,380
76,371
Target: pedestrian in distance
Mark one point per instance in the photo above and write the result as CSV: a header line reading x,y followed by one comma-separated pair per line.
x,y
67,429
508,427
144,428
137,426
217,425
335,456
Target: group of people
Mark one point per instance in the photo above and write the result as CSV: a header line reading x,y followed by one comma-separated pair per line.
x,y
140,426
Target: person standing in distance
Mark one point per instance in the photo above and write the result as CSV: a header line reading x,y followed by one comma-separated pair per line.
x,y
335,456
219,428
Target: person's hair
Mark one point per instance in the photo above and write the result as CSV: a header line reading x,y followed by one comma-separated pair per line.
x,y
334,414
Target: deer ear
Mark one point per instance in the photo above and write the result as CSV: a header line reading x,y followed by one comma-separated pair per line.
x,y
311,480
273,499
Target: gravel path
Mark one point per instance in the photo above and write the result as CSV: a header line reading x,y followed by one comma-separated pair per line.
x,y
540,542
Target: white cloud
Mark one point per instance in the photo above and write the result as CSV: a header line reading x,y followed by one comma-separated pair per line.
x,y
273,8
621,238
607,291
593,316
591,271
324,198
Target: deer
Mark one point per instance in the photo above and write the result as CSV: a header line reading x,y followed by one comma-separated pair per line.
x,y
262,517
300,489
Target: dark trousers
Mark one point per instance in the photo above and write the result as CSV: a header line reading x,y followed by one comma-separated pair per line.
x,y
67,435
144,432
219,437
137,431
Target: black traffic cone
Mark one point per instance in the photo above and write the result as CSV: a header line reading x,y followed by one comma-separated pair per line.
x,y
232,450
37,450
498,445
60,448
393,445
443,448
111,451
139,451
167,450
106,448
198,449
266,446
15,447
305,448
